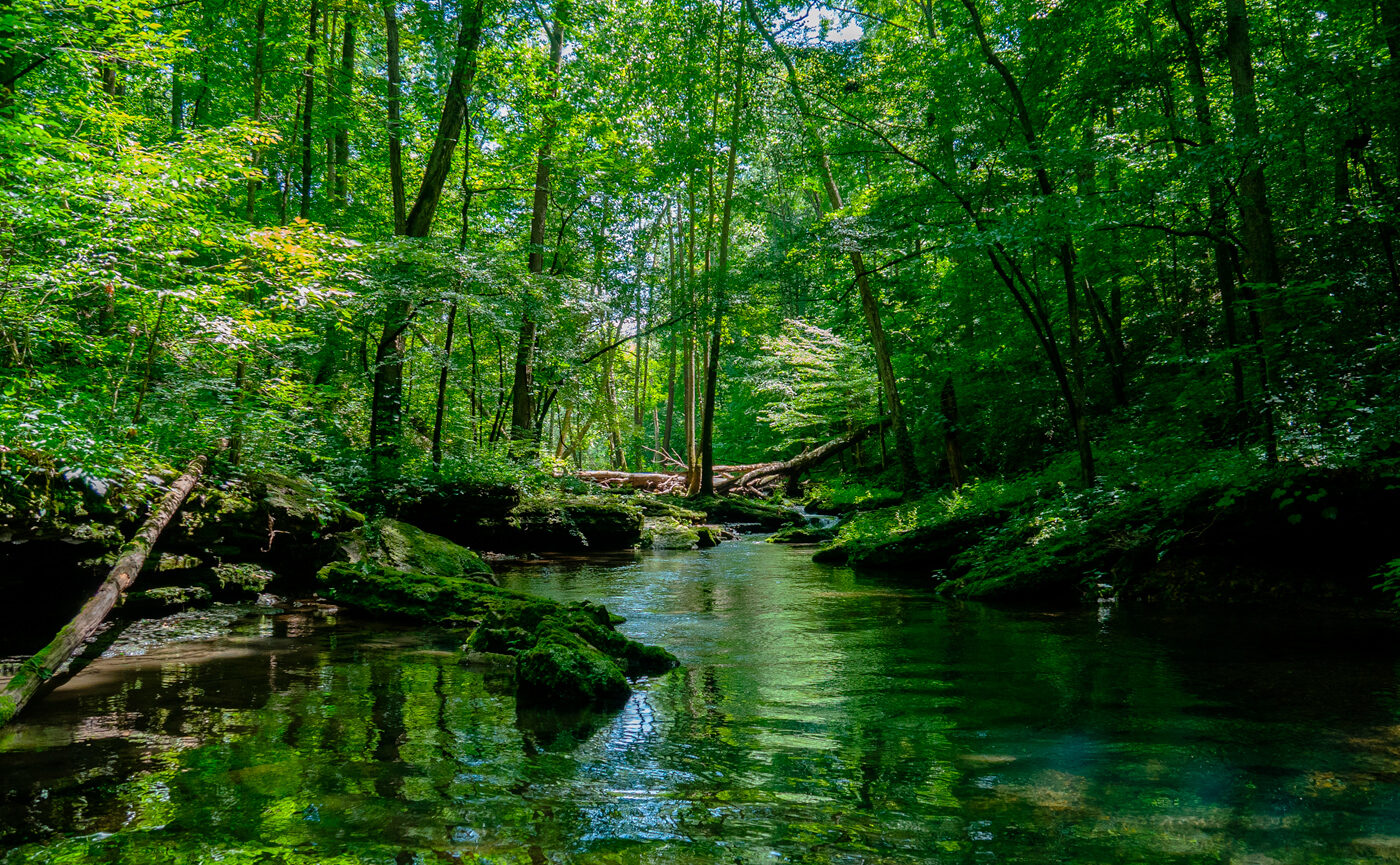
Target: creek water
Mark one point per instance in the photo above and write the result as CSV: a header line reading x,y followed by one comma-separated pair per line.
x,y
821,716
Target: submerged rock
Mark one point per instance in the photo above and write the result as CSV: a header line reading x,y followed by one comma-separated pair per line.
x,y
565,653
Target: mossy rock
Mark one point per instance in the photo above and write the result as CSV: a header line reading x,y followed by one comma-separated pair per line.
x,y
606,522
668,534
399,546
566,653
921,548
163,600
243,578
710,536
567,669
802,535
381,591
765,515
270,519
667,506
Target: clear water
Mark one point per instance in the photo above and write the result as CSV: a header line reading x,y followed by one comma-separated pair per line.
x,y
821,717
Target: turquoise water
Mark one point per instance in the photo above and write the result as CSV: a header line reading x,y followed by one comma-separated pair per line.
x,y
821,716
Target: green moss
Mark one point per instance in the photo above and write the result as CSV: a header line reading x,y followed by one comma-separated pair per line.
x,y
245,578
736,509
564,668
402,547
567,652
802,535
667,506
668,534
165,599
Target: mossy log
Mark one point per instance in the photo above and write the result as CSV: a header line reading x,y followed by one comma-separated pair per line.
x,y
33,673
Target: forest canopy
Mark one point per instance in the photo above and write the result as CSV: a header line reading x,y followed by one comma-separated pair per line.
x,y
480,238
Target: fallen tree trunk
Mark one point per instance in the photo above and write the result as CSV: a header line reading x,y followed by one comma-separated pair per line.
x,y
751,478
757,475
33,673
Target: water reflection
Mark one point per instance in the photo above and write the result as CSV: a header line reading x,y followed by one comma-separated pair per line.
x,y
820,717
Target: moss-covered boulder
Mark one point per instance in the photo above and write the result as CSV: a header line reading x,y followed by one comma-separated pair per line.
x,y
748,513
242,578
802,535
399,546
667,506
669,534
270,519
163,600
566,653
606,522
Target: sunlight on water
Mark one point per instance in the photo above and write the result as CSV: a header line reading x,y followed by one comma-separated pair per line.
x,y
820,717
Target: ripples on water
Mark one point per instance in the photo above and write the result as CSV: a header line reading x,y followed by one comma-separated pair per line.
x,y
820,717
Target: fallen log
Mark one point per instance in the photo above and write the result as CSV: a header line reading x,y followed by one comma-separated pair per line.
x,y
35,672
751,479
765,473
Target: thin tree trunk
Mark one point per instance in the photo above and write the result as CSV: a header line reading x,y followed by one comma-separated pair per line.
x,y
309,92
386,415
1065,252
391,28
259,60
347,107
1216,224
442,387
1256,222
692,453
41,668
870,305
522,387
952,444
707,423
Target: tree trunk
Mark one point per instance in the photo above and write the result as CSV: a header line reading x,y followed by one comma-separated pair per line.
x,y
692,453
391,29
41,668
522,387
1256,222
870,305
1074,394
952,445
386,415
259,60
442,387
707,422
309,92
346,114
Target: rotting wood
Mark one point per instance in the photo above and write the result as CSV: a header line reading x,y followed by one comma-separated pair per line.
x,y
42,667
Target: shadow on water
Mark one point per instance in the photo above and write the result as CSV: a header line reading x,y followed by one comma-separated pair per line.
x,y
821,716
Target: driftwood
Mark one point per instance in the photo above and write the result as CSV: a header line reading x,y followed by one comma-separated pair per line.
x,y
750,479
33,673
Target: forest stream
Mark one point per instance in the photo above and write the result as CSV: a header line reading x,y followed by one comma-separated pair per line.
x,y
820,716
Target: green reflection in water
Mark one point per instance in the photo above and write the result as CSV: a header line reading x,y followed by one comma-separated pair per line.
x,y
821,717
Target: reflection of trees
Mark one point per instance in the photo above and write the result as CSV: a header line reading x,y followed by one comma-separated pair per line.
x,y
821,714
